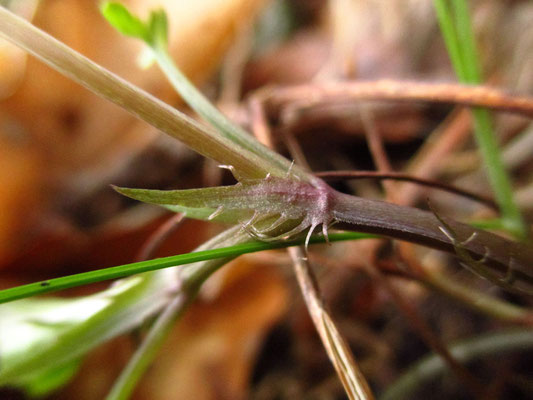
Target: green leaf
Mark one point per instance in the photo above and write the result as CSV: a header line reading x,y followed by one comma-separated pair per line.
x,y
154,32
123,21
52,379
198,203
41,338
158,28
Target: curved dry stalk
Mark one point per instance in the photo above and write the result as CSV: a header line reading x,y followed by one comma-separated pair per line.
x,y
398,176
464,294
154,242
424,330
392,90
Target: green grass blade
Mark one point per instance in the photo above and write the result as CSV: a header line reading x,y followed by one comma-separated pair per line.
x,y
85,278
456,28
498,177
466,42
447,27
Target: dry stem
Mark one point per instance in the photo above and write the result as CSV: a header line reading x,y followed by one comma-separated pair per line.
x,y
391,90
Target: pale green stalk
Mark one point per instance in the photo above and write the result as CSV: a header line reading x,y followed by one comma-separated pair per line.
x,y
191,279
145,354
475,299
430,367
211,114
141,104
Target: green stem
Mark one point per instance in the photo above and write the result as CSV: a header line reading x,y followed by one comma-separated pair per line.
x,y
466,42
191,279
85,278
141,360
199,103
498,177
454,21
447,27
465,351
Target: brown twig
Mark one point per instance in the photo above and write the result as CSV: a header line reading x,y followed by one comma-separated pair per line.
x,y
158,237
398,176
259,122
336,347
261,130
377,150
427,163
391,90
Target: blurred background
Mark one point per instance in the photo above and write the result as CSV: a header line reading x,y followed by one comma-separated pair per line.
x,y
250,336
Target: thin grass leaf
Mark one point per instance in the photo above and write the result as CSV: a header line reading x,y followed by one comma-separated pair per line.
x,y
455,23
121,271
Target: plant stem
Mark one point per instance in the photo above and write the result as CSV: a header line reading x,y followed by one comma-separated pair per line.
x,y
211,114
456,28
85,278
317,93
364,215
141,360
465,351
476,300
191,279
338,351
422,227
133,99
398,176
512,218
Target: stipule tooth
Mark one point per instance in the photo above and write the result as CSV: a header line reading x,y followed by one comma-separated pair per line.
x,y
216,213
